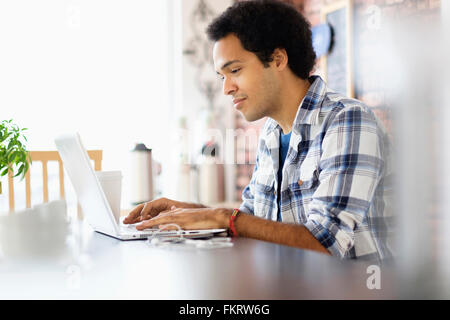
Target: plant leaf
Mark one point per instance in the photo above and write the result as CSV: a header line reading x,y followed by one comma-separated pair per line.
x,y
12,150
19,172
4,172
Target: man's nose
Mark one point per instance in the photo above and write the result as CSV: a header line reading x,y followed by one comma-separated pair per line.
x,y
229,87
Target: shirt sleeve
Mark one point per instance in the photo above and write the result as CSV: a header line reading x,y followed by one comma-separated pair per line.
x,y
351,166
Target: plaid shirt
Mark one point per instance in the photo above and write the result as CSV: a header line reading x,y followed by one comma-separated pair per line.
x,y
334,180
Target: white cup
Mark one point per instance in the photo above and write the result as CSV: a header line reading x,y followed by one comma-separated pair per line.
x,y
111,182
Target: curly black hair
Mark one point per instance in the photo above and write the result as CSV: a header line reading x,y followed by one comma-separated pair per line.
x,y
265,25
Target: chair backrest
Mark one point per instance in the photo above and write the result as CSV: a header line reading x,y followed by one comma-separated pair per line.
x,y
45,157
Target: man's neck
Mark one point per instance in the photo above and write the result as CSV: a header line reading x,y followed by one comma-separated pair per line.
x,y
291,96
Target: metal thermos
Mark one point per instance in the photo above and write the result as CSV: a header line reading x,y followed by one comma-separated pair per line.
x,y
141,175
211,176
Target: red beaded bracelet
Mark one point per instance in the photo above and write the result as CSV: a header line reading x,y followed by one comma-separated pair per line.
x,y
232,218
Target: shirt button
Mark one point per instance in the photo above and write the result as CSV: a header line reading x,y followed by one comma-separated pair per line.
x,y
275,192
300,182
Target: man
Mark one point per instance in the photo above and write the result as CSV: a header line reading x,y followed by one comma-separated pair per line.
x,y
320,170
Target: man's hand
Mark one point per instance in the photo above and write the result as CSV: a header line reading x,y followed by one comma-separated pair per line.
x,y
151,209
148,210
189,219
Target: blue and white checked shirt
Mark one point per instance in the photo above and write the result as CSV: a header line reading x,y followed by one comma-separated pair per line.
x,y
334,180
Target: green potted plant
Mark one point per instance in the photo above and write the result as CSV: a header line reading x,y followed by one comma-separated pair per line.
x,y
14,157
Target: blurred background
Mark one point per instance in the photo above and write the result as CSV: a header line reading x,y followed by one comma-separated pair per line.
x,y
127,72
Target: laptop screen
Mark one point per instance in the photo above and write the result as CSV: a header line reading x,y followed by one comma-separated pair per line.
x,y
90,195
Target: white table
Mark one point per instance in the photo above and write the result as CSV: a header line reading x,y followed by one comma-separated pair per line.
x,y
95,266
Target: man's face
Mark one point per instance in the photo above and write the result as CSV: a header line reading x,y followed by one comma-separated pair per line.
x,y
253,88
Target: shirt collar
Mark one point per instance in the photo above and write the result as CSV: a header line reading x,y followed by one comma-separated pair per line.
x,y
309,108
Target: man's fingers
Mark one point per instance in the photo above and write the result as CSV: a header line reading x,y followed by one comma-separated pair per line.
x,y
168,227
147,210
173,210
149,223
161,219
134,215
187,219
153,208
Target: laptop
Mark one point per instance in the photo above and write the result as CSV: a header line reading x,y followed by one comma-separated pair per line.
x,y
93,201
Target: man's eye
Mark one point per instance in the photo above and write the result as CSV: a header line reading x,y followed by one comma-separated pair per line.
x,y
233,71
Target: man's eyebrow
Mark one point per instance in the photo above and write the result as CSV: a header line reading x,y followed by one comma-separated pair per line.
x,y
228,63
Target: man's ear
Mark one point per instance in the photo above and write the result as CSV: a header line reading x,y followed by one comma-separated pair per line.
x,y
280,58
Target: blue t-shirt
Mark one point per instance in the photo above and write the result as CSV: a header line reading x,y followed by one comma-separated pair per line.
x,y
284,147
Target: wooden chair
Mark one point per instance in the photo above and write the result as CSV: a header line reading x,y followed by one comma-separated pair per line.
x,y
45,157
